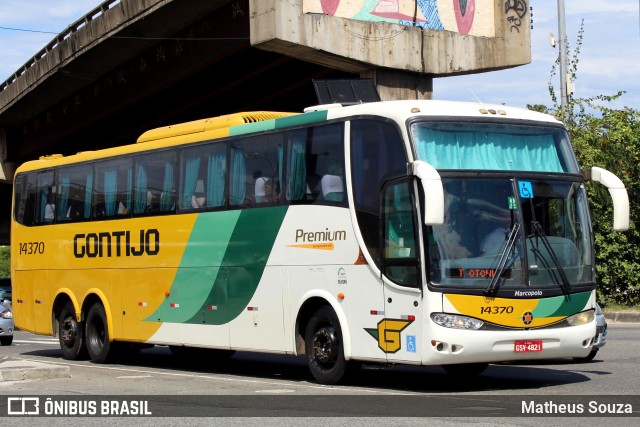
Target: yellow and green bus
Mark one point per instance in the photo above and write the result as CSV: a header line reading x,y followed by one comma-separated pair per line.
x,y
412,232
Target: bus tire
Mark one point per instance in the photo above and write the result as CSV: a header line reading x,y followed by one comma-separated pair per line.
x,y
588,358
324,348
70,334
97,334
465,370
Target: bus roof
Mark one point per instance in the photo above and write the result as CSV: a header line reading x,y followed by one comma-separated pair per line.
x,y
253,122
401,110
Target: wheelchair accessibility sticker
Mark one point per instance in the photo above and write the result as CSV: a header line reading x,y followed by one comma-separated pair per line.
x,y
411,343
526,190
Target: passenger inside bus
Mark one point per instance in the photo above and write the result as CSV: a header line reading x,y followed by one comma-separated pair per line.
x,y
495,240
76,208
152,204
198,198
49,209
331,183
261,192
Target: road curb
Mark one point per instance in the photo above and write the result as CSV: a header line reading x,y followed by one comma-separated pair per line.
x,y
20,370
622,316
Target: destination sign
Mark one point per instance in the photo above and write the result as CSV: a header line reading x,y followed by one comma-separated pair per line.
x,y
474,273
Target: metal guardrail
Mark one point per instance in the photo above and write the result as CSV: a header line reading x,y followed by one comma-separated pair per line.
x,y
53,44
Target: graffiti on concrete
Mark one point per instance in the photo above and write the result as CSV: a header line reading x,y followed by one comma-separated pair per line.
x,y
467,17
515,11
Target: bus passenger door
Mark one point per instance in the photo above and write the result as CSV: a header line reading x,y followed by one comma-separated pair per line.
x,y
401,329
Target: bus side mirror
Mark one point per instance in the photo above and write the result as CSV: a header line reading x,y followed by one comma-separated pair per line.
x,y
618,195
433,191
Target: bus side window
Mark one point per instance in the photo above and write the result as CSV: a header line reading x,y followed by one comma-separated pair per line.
x,y
263,168
400,249
154,183
25,195
112,196
46,202
74,187
377,154
315,159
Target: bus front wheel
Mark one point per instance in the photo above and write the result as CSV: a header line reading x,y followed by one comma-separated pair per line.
x,y
70,334
98,344
325,353
588,358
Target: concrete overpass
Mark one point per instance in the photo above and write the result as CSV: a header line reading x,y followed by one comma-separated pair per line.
x,y
131,65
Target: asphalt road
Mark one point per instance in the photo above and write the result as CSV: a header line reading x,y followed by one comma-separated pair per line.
x,y
280,388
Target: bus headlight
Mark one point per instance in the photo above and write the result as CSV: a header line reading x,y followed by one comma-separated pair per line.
x,y
581,318
456,321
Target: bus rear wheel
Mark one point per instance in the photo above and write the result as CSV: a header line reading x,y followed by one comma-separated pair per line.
x,y
324,348
97,332
70,334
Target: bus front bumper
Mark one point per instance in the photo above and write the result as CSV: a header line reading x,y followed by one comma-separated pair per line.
x,y
453,346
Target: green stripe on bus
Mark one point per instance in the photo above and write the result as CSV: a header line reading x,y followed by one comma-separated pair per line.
x,y
221,266
561,306
244,262
301,119
252,128
198,267
298,119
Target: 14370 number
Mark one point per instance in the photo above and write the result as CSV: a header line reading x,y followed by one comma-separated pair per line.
x,y
496,310
31,248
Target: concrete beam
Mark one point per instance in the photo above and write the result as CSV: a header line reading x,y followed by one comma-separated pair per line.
x,y
79,56
357,46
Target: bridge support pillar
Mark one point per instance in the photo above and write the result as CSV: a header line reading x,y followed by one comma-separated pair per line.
x,y
6,169
397,85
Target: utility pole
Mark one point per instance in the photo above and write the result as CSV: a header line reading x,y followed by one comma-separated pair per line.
x,y
562,36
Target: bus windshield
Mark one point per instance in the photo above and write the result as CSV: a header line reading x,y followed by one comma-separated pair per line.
x,y
522,222
511,233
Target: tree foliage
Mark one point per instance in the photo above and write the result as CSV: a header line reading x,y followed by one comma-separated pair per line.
x,y
4,261
609,138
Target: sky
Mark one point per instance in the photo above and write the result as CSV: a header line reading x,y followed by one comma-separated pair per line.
x,y
609,60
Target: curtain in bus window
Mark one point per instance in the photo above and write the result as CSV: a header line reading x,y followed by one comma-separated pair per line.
x,y
487,150
280,162
44,197
166,202
238,178
127,203
297,168
140,195
29,200
190,180
110,190
215,180
63,198
87,197
19,194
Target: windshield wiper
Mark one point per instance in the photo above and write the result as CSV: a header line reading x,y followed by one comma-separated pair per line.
x,y
504,259
564,285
